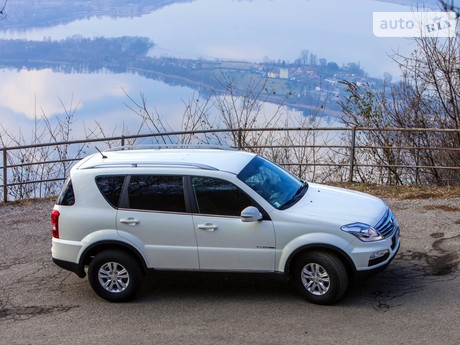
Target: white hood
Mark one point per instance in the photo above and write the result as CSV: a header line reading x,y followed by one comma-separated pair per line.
x,y
341,205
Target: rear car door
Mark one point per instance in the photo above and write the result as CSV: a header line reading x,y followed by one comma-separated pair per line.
x,y
153,213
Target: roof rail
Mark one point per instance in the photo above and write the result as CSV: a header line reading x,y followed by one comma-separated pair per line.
x,y
169,146
152,164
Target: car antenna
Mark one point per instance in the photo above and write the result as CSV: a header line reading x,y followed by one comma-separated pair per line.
x,y
103,156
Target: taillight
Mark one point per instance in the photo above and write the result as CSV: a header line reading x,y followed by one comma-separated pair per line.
x,y
55,223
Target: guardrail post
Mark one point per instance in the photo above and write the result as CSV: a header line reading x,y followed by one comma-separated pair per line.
x,y
352,153
240,137
5,176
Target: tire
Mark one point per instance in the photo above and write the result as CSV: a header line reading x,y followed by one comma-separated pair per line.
x,y
320,277
115,275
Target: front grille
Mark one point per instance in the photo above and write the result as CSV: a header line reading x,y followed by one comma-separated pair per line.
x,y
387,224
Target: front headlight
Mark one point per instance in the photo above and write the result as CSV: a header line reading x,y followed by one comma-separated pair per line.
x,y
364,232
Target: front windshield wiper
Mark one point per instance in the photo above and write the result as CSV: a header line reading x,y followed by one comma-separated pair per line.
x,y
296,197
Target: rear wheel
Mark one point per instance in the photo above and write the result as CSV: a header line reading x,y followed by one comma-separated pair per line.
x,y
320,277
115,275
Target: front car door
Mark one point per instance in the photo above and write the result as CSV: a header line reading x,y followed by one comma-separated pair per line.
x,y
224,241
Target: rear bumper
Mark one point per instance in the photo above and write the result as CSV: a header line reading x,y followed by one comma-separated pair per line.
x,y
71,266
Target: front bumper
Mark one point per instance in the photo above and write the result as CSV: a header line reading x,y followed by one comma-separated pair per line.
x,y
362,255
373,270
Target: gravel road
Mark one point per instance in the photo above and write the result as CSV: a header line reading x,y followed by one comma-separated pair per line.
x,y
415,301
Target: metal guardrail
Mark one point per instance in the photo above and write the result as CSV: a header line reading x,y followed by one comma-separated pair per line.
x,y
352,147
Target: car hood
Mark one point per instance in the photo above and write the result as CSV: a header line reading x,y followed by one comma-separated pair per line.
x,y
339,205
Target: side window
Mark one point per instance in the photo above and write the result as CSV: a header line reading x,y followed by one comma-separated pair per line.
x,y
214,196
156,193
110,186
67,196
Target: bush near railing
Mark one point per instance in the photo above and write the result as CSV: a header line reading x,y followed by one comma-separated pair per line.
x,y
315,154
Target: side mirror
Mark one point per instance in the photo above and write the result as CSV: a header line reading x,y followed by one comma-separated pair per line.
x,y
251,214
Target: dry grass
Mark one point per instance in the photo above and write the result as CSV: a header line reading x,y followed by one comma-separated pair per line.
x,y
31,201
404,192
442,207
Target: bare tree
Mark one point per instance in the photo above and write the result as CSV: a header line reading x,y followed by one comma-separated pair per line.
x,y
26,164
428,96
365,107
196,117
244,110
226,106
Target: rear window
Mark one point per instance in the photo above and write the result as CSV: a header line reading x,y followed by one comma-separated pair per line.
x,y
110,186
67,196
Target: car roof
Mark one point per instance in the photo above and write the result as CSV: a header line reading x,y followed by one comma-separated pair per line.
x,y
232,161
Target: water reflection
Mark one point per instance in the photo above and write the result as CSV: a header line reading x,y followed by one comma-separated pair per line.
x,y
97,96
102,98
337,30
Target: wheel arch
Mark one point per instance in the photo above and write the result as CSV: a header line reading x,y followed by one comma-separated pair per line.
x,y
346,260
95,248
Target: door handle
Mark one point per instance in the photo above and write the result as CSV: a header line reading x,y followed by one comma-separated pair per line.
x,y
129,221
207,227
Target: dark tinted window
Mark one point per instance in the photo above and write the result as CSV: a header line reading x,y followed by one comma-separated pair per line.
x,y
157,193
214,196
110,187
67,197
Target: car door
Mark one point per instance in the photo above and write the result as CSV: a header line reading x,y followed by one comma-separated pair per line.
x,y
153,214
224,241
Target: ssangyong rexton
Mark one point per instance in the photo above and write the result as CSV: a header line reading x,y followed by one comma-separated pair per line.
x,y
125,212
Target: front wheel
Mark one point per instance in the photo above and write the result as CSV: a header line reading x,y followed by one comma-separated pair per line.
x,y
320,277
115,275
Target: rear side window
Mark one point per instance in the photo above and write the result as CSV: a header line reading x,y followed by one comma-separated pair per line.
x,y
156,193
67,196
111,186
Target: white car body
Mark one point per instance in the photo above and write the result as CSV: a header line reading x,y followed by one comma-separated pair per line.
x,y
208,242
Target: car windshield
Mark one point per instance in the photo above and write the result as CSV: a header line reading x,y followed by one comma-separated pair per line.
x,y
276,185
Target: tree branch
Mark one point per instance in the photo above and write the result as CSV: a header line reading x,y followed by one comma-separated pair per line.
x,y
2,11
449,6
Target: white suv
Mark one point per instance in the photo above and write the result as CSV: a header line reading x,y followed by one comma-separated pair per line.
x,y
129,211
